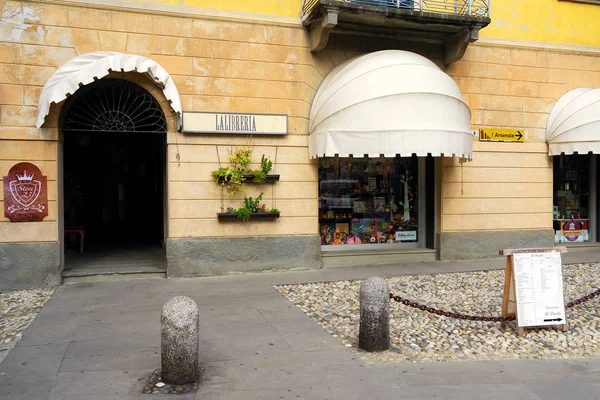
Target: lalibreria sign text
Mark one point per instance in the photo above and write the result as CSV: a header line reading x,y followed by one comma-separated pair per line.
x,y
234,123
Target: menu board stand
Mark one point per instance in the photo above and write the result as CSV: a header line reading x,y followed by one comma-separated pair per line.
x,y
533,288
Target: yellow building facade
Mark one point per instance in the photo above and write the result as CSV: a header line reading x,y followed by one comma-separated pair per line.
x,y
256,59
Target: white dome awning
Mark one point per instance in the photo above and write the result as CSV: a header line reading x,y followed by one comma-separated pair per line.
x,y
84,69
389,102
574,123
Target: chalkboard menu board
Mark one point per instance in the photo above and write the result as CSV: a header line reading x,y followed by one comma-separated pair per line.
x,y
539,289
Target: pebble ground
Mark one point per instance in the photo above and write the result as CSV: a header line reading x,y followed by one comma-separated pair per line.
x,y
418,336
17,310
155,385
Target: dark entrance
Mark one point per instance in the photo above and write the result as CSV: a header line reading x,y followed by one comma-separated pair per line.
x,y
114,141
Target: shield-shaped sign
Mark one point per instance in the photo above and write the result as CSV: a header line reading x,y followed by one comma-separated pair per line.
x,y
25,193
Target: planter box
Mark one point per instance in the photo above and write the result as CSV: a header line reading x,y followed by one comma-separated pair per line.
x,y
250,178
261,215
269,178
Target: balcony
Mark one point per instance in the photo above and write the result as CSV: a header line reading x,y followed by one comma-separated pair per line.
x,y
449,24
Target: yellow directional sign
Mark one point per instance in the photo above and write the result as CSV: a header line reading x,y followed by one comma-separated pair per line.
x,y
501,135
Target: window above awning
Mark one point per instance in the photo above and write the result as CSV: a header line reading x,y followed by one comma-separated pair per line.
x,y
84,69
387,103
574,123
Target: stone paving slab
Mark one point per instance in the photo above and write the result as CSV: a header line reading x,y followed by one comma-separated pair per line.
x,y
101,383
427,374
566,390
541,371
290,394
108,360
473,391
245,365
31,371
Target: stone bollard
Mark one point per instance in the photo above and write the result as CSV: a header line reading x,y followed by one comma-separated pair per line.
x,y
179,341
374,329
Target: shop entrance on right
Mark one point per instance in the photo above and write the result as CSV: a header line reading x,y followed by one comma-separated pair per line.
x,y
575,202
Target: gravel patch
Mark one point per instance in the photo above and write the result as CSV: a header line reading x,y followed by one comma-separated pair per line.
x,y
418,336
155,385
17,310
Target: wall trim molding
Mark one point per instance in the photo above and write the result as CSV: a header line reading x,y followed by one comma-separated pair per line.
x,y
177,11
518,44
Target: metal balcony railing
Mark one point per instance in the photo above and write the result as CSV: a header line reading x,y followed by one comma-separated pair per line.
x,y
471,8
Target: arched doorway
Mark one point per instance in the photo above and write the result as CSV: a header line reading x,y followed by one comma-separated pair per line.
x,y
114,168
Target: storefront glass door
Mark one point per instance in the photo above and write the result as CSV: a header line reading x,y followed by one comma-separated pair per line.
x,y
573,205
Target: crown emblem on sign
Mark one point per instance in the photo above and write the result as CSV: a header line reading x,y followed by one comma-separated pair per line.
x,y
24,177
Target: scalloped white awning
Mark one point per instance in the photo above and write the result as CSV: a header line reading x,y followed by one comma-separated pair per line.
x,y
86,68
386,103
574,123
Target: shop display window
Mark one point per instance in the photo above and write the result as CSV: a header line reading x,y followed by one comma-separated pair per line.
x,y
368,201
570,214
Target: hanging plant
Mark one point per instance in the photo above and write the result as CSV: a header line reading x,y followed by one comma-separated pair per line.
x,y
252,208
260,175
234,176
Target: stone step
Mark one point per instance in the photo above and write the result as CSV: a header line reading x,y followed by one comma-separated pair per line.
x,y
367,254
74,277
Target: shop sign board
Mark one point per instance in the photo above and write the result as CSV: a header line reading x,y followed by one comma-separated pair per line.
x,y
25,193
572,231
539,289
533,288
501,135
404,236
234,123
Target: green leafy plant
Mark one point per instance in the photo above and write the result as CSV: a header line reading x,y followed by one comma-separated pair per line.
x,y
260,175
240,158
233,177
251,205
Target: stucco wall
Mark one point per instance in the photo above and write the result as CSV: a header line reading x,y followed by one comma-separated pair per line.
x,y
236,66
545,21
508,186
249,65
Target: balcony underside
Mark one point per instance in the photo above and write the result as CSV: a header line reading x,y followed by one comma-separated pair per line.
x,y
451,32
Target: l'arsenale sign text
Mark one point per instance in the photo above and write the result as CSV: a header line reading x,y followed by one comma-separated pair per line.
x,y
501,135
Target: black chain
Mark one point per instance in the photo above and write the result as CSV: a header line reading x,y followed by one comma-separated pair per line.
x,y
450,314
583,299
468,317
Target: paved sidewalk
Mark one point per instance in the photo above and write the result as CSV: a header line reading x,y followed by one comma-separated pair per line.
x,y
101,341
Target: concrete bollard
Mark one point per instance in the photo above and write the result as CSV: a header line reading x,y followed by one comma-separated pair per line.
x,y
374,329
179,341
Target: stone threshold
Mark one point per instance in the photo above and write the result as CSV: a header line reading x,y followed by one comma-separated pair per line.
x,y
114,277
112,270
367,249
580,246
374,256
111,273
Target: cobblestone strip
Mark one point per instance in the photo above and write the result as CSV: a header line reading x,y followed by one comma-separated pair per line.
x,y
418,336
17,311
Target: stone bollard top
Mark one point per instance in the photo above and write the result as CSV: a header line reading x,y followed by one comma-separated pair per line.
x,y
179,309
374,288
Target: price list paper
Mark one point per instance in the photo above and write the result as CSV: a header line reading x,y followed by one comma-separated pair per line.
x,y
539,289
